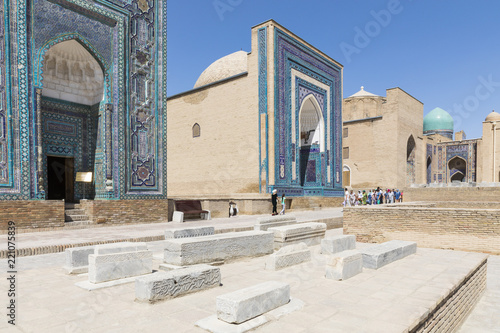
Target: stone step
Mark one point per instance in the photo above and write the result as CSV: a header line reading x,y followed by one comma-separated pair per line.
x,y
71,218
74,211
77,223
72,205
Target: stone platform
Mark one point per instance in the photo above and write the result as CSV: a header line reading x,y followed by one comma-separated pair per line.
x,y
405,294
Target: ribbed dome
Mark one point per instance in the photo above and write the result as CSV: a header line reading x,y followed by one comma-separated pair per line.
x,y
363,93
230,65
493,116
438,120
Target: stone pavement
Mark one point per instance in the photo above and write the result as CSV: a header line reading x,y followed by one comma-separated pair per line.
x,y
48,301
57,241
485,318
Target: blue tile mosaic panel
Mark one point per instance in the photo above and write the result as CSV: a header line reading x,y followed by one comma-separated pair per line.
x,y
128,39
291,54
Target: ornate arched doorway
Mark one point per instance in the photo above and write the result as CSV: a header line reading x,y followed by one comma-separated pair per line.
x,y
410,161
71,100
312,142
457,167
429,170
346,176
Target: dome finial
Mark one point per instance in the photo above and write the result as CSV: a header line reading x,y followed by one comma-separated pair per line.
x,y
362,88
493,116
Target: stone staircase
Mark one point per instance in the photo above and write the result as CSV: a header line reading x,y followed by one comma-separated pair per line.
x,y
74,215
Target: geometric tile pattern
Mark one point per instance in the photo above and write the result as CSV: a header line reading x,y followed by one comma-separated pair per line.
x,y
5,152
291,54
69,131
263,105
128,39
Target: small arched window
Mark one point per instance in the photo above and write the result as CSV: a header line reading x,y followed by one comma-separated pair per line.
x,y
196,130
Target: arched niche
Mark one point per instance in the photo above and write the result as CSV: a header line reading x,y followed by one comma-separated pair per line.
x,y
457,167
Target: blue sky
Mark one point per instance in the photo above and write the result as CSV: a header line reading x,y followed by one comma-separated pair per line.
x,y
445,53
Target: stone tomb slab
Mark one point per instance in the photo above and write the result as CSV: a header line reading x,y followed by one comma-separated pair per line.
x,y
244,304
288,256
114,266
220,247
213,324
337,244
77,258
344,265
120,247
309,233
264,223
189,232
377,256
178,282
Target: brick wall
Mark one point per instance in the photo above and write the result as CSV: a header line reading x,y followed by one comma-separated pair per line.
x,y
468,204
450,313
447,228
490,194
128,211
32,214
313,202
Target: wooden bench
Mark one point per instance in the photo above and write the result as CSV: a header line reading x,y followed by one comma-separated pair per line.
x,y
189,207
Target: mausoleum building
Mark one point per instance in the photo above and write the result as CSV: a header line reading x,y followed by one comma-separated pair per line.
x,y
258,121
387,142
82,97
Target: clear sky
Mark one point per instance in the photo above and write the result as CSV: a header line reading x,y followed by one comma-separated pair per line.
x,y
445,53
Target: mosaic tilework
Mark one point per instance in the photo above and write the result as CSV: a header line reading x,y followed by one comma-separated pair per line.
x,y
145,27
5,152
290,54
73,136
429,166
440,158
23,106
51,20
143,116
262,42
468,152
303,90
429,150
410,161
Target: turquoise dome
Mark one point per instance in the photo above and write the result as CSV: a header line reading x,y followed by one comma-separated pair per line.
x,y
438,120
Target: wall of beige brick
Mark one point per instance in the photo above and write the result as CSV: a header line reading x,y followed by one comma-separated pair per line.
x,y
450,313
443,228
462,194
128,211
261,204
32,214
225,157
377,148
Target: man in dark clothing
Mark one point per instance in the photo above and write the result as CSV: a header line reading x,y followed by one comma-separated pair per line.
x,y
274,200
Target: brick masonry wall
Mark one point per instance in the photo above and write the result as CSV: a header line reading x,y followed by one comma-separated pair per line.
x,y
32,214
314,202
461,194
468,204
128,211
452,311
443,228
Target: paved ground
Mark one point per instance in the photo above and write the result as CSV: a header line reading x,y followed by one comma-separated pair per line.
x,y
486,316
74,236
48,301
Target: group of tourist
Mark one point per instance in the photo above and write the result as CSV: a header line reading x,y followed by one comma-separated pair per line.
x,y
373,197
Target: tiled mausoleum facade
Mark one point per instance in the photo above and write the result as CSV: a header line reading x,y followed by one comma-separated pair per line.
x,y
258,121
82,89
